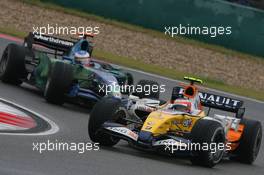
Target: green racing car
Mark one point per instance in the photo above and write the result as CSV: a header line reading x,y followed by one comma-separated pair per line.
x,y
62,69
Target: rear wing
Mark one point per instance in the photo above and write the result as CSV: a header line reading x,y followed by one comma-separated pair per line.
x,y
220,102
50,42
215,101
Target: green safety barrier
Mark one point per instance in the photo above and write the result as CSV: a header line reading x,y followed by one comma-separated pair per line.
x,y
247,23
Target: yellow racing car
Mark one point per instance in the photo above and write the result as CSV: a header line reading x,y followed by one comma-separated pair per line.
x,y
180,127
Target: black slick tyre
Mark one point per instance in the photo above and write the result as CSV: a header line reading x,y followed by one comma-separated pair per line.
x,y
12,64
250,142
107,109
59,81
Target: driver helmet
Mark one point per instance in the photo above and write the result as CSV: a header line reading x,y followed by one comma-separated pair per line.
x,y
182,105
82,57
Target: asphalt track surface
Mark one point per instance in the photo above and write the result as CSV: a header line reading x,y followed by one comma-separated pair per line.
x,y
17,155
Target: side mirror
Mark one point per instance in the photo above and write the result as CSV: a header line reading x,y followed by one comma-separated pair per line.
x,y
240,113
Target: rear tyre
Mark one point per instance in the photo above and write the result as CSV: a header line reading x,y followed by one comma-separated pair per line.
x,y
58,83
210,133
130,79
12,64
150,89
250,142
107,109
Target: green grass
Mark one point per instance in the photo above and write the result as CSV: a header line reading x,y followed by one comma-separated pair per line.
x,y
12,31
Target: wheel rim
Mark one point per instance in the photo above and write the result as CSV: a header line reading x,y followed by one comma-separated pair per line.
x,y
119,117
3,63
217,156
46,87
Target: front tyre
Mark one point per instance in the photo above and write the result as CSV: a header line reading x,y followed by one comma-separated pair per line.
x,y
107,109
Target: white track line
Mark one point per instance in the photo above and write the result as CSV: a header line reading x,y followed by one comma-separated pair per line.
x,y
54,128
